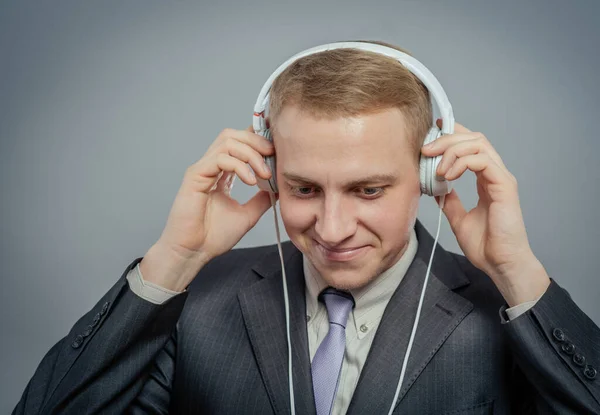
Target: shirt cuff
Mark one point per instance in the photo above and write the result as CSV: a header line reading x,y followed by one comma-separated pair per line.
x,y
148,290
519,309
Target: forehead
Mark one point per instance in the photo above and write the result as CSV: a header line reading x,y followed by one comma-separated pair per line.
x,y
366,144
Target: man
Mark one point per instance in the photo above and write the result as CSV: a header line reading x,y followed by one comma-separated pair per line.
x,y
196,327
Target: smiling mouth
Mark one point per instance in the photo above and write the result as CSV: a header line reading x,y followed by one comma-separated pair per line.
x,y
340,255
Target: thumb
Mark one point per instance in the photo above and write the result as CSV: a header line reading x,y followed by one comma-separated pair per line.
x,y
257,206
453,209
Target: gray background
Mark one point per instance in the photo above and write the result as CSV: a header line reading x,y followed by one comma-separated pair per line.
x,y
104,105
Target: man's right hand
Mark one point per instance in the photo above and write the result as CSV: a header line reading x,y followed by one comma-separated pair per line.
x,y
204,220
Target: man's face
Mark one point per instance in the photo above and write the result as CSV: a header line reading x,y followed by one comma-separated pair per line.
x,y
348,192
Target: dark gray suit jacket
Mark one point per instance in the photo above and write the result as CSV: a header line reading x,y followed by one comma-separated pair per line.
x,y
220,347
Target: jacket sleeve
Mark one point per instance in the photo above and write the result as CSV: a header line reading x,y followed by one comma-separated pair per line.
x,y
155,396
105,361
557,347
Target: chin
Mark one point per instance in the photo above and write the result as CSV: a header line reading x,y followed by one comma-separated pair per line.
x,y
347,279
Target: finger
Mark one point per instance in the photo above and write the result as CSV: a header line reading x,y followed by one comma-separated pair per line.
x,y
453,152
228,163
478,163
207,172
256,141
256,207
248,155
453,209
465,148
444,143
458,128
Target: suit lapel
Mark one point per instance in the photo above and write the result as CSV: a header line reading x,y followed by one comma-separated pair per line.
x,y
262,306
442,311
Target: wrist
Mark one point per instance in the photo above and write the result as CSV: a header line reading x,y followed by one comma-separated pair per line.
x,y
524,281
169,269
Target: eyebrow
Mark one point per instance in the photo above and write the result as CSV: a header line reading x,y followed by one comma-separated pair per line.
x,y
376,178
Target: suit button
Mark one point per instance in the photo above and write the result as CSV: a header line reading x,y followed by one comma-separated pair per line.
x,y
568,348
559,335
590,372
96,320
104,308
88,331
77,342
579,359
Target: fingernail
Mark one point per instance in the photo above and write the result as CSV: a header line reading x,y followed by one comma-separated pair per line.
x,y
430,145
266,168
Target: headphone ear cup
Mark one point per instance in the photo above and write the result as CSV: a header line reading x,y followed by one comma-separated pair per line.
x,y
269,185
424,162
430,184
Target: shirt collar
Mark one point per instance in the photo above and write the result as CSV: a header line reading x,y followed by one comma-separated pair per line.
x,y
371,299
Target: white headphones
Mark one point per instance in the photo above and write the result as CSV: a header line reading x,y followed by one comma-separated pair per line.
x,y
431,184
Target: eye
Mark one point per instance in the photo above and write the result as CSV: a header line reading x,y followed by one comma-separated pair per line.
x,y
371,192
302,191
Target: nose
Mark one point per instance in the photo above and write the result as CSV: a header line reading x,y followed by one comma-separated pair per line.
x,y
336,221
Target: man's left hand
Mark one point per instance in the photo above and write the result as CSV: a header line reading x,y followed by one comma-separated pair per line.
x,y
492,235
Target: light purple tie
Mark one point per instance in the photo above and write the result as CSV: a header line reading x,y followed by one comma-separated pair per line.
x,y
328,359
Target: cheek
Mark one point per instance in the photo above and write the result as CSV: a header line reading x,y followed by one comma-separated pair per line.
x,y
412,209
297,215
392,218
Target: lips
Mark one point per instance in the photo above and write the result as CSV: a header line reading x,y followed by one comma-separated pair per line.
x,y
341,254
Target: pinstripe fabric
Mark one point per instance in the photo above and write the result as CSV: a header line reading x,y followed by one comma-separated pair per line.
x,y
109,369
220,347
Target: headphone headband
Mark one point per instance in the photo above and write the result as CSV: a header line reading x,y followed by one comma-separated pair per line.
x,y
439,98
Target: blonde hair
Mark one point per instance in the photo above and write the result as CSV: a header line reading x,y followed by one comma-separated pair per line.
x,y
350,82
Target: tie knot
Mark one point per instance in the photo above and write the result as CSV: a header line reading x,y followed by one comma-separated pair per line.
x,y
338,304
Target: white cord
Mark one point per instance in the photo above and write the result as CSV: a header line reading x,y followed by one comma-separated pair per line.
x,y
287,305
416,323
